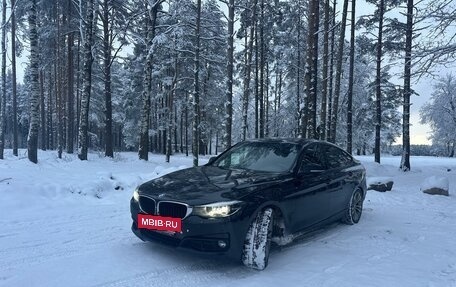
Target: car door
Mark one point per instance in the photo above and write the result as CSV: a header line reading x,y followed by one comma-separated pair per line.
x,y
340,184
309,200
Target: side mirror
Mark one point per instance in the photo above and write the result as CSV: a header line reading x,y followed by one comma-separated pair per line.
x,y
211,160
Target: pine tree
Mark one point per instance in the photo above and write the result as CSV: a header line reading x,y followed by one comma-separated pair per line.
x,y
405,162
378,88
3,94
70,82
350,81
14,84
114,23
311,77
324,92
32,140
440,113
83,139
331,71
152,11
340,55
196,87
230,77
249,39
105,20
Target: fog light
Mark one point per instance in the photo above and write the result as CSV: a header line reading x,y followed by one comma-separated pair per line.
x,y
221,244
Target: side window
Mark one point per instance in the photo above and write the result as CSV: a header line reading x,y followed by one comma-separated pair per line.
x,y
336,157
311,156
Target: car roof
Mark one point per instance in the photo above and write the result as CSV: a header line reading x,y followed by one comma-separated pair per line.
x,y
301,141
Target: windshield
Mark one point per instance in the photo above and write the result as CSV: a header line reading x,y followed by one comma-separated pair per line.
x,y
260,156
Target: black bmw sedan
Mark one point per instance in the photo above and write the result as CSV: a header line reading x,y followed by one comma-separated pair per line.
x,y
254,191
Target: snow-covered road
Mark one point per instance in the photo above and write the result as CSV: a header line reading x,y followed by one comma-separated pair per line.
x,y
67,223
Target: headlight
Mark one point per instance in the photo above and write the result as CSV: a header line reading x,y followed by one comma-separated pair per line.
x,y
219,209
136,195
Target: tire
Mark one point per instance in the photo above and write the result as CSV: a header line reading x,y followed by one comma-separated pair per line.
x,y
257,242
355,208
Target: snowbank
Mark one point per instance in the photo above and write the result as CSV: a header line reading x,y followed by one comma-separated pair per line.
x,y
55,231
436,185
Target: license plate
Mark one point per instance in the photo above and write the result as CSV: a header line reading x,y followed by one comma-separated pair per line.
x,y
159,223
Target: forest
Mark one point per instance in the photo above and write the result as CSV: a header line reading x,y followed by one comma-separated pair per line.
x,y
196,77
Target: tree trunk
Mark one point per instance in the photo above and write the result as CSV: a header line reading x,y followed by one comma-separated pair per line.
x,y
210,142
43,113
170,105
340,56
107,79
58,86
176,149
405,162
257,91
378,89
452,149
83,141
78,84
50,124
32,140
58,103
182,131
186,124
350,81
324,92
3,95
229,83
311,68
300,110
248,69
276,99
245,96
279,99
331,71
195,103
70,100
13,67
146,96
216,142
262,64
266,102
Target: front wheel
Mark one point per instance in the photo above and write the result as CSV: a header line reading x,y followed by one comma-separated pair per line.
x,y
258,241
355,208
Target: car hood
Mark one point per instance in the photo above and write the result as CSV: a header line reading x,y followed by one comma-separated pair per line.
x,y
207,184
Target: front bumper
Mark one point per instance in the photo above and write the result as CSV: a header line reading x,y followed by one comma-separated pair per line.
x,y
200,235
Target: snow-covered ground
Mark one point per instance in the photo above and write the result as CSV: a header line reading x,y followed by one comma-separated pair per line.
x,y
67,223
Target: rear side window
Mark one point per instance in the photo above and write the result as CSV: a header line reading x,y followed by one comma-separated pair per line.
x,y
335,157
312,156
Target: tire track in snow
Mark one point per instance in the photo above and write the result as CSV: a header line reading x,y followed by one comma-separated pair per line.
x,y
301,239
32,256
89,216
65,241
201,272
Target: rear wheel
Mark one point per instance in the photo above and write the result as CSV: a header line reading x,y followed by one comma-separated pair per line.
x,y
355,208
258,240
